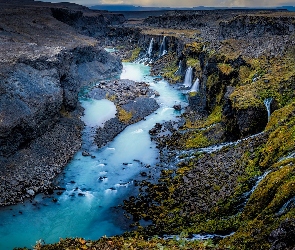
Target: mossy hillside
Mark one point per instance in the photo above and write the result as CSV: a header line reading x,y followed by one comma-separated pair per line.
x,y
191,138
213,118
192,53
170,68
194,63
133,55
124,243
218,73
160,205
193,49
260,215
165,204
170,215
265,78
282,136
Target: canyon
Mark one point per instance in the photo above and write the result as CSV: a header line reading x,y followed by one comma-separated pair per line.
x,y
224,170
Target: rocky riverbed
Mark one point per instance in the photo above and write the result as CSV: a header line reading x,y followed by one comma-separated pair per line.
x,y
134,101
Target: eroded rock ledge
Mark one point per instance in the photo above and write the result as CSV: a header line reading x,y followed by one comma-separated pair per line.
x,y
133,101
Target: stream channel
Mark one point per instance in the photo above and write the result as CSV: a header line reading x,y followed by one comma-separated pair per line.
x,y
93,185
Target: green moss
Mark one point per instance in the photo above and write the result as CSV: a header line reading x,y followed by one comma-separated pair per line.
x,y
194,63
212,80
194,48
170,68
266,191
213,118
123,115
265,78
134,55
135,242
110,97
225,68
197,140
281,116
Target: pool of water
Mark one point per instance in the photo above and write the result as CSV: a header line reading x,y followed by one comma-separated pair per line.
x,y
93,184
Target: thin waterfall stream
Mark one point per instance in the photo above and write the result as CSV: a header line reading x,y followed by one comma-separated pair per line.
x,y
188,78
93,185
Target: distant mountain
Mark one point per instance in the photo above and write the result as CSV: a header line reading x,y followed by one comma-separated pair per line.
x,y
290,8
112,7
124,8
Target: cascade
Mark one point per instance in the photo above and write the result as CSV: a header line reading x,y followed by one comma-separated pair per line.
x,y
150,49
196,86
267,103
286,207
179,70
163,47
188,77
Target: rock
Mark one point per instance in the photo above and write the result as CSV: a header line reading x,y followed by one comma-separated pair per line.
x,y
156,129
177,107
31,192
156,93
140,108
256,26
85,153
284,236
143,174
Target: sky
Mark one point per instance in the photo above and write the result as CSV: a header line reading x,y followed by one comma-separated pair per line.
x,y
186,3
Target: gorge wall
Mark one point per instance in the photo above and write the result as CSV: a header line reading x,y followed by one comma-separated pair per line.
x,y
44,62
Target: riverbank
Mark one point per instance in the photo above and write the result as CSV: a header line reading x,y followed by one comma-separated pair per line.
x,y
44,63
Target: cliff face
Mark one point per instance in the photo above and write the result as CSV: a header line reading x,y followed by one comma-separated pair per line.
x,y
90,23
256,26
44,62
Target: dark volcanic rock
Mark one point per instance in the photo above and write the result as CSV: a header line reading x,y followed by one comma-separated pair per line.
x,y
256,26
283,238
141,108
41,72
240,123
88,22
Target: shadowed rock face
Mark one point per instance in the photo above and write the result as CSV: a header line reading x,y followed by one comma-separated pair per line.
x,y
283,236
44,62
256,26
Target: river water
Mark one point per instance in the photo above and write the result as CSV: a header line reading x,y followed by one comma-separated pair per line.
x,y
93,185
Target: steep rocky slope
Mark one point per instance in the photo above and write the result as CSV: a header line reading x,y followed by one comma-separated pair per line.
x,y
43,64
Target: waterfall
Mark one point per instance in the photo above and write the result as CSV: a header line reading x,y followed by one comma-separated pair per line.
x,y
150,49
196,86
287,206
178,72
267,103
188,78
163,47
